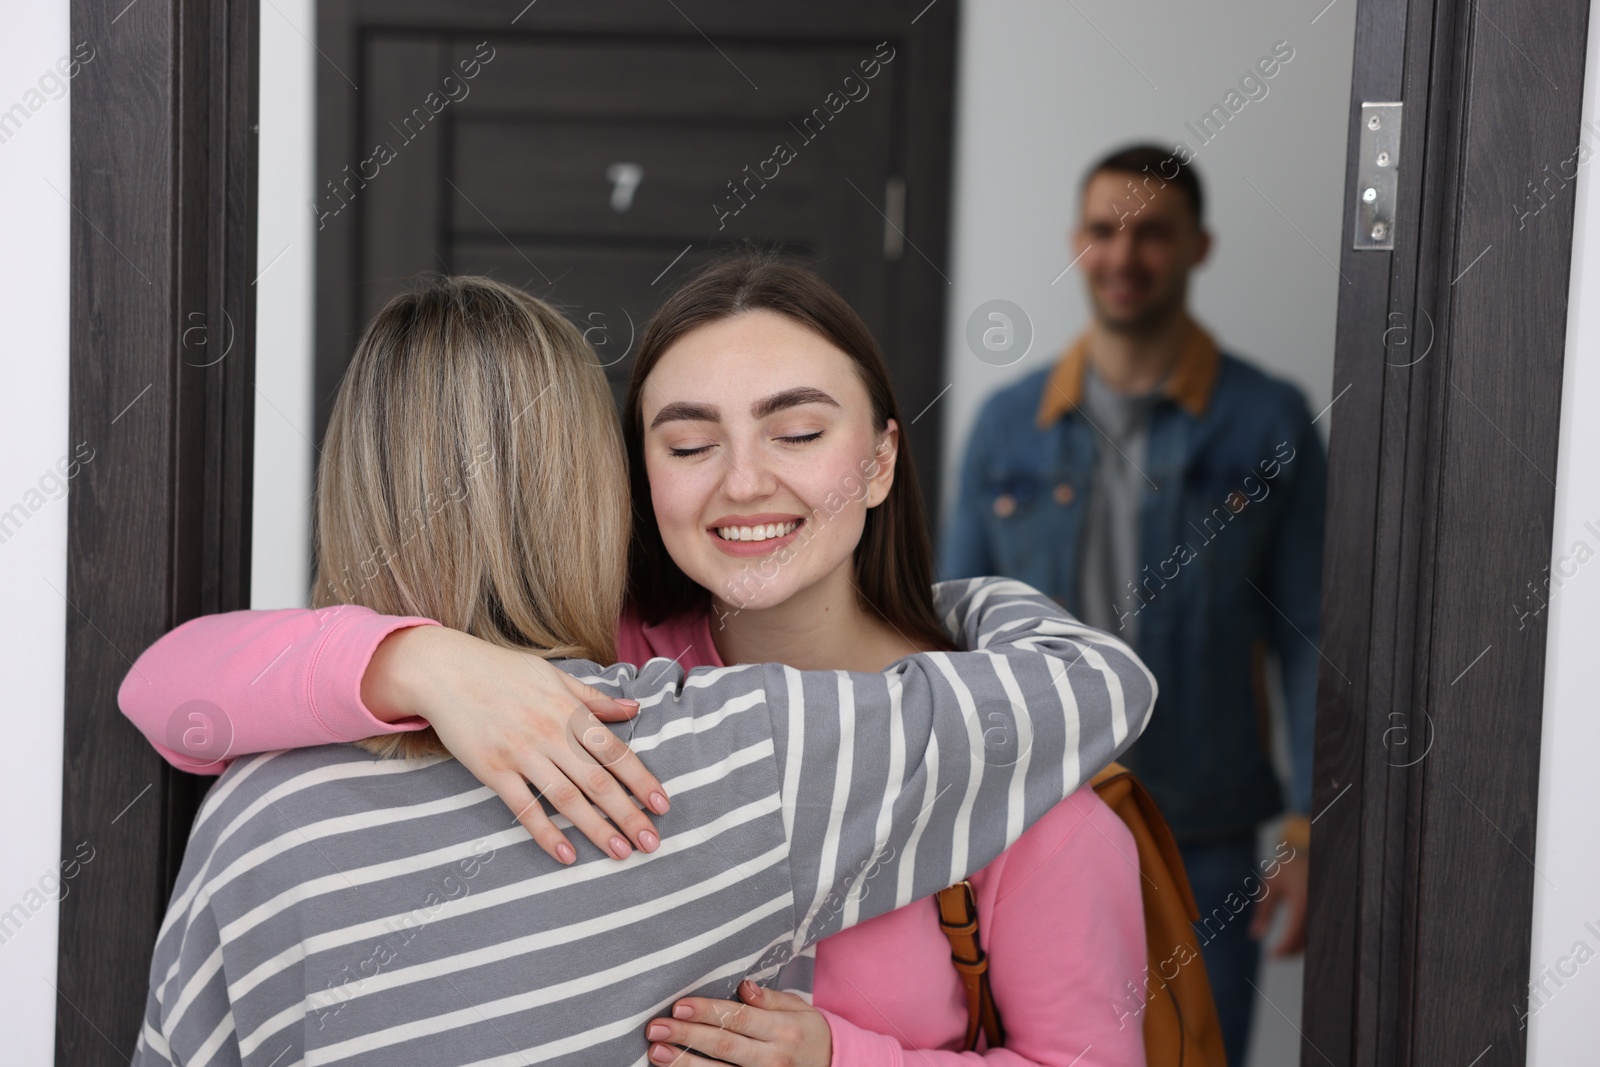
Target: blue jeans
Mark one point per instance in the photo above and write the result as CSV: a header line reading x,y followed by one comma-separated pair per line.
x,y
1232,957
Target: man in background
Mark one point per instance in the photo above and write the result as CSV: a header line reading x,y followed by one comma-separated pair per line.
x,y
1172,494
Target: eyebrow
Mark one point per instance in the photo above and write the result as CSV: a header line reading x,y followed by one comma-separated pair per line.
x,y
687,411
680,410
790,398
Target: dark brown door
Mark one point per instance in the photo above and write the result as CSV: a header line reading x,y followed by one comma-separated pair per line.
x,y
1447,380
597,158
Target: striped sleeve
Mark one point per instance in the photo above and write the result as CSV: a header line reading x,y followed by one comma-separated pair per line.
x,y
896,785
188,1020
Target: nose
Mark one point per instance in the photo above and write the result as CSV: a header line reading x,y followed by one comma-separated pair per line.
x,y
1118,252
748,476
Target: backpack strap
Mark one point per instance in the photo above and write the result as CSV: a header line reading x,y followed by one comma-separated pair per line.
x,y
958,918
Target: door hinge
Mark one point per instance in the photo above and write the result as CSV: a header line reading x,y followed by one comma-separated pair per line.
x,y
1377,176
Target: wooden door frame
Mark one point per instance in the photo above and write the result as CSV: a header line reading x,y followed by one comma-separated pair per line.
x,y
1419,553
162,358
1441,510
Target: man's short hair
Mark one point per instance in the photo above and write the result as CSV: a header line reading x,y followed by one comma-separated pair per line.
x,y
1156,161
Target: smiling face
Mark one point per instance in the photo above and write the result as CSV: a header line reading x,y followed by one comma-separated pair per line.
x,y
1137,247
763,458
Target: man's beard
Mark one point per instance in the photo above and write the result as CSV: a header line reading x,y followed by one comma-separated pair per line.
x,y
1144,320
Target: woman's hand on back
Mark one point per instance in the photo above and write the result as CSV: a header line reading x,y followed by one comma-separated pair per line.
x,y
512,719
763,1028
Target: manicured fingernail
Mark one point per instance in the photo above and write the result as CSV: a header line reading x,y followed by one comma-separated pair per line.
x,y
628,702
565,854
659,803
620,848
682,1011
649,841
661,1053
658,1031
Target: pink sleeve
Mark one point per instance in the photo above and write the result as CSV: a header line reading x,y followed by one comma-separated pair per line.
x,y
252,681
856,1046
1062,919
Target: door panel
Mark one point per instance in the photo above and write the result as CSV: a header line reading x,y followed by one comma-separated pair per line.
x,y
541,176
530,175
397,212
600,169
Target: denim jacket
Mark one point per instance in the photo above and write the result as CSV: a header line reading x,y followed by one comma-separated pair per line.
x,y
1230,551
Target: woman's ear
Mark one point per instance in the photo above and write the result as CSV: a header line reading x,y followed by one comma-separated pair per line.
x,y
879,470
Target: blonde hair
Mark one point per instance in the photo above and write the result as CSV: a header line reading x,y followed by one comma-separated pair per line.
x,y
473,473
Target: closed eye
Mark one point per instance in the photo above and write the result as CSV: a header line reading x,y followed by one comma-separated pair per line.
x,y
801,438
688,451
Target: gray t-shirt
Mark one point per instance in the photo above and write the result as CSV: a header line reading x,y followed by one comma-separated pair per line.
x,y
1108,566
334,907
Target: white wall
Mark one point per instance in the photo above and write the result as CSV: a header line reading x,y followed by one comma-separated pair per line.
x,y
1043,93
285,251
1566,888
33,439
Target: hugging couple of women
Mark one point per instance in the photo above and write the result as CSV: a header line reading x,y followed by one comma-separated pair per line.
x,y
819,758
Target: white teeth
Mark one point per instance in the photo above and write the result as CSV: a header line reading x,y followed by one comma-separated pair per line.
x,y
757,533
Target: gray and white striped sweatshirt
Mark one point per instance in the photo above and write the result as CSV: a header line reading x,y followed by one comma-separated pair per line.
x,y
337,908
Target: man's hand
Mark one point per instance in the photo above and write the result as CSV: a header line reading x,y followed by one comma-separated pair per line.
x,y
1286,888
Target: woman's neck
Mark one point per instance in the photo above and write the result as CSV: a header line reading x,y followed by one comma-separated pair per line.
x,y
824,627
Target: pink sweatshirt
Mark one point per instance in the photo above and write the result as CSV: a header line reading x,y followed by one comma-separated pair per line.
x,y
1060,915
1060,911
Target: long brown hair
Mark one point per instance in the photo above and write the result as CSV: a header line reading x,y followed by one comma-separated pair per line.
x,y
450,485
894,558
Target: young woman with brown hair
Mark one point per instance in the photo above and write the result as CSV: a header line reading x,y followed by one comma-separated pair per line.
x,y
777,515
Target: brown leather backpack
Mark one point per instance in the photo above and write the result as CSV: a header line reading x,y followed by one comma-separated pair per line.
x,y
1180,1018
